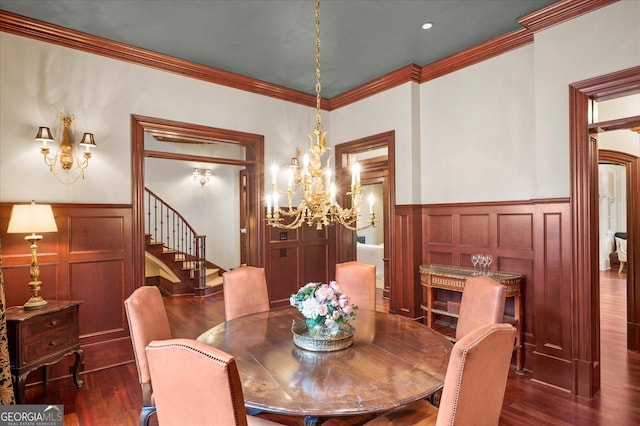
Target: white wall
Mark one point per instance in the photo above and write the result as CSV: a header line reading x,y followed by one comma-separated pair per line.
x,y
390,110
497,130
212,209
40,80
478,132
612,208
505,119
598,43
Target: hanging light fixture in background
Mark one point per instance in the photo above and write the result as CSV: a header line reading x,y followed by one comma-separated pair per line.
x,y
65,154
313,181
202,175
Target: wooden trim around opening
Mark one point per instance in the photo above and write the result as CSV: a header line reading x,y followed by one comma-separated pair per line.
x,y
254,154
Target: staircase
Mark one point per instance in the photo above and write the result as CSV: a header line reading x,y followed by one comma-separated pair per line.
x,y
174,274
175,253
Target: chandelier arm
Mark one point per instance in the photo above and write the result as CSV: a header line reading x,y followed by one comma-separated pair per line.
x,y
49,161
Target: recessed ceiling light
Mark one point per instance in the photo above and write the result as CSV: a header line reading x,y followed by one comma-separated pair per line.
x,y
427,25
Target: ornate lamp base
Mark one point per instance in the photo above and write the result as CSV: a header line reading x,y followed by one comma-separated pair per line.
x,y
36,301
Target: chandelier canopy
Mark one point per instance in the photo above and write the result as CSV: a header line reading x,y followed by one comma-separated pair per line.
x,y
312,183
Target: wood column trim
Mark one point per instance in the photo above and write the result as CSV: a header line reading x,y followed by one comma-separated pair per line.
x,y
584,179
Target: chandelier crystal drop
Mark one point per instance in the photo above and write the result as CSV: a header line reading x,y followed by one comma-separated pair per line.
x,y
313,182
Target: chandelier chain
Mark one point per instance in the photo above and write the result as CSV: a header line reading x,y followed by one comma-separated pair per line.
x,y
311,180
318,83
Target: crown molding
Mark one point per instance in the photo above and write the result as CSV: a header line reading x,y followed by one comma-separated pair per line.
x,y
476,54
560,12
27,27
395,78
544,18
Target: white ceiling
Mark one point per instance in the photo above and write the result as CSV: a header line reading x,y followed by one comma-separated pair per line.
x,y
274,40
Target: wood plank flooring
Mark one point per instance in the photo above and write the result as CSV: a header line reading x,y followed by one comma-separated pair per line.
x,y
113,396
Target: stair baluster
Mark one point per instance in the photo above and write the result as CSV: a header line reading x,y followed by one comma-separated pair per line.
x,y
178,236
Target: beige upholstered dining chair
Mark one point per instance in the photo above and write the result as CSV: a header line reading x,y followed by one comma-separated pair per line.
x,y
147,321
482,303
245,292
197,384
358,281
474,385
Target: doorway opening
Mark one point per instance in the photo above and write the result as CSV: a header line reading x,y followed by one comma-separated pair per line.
x,y
185,135
376,156
585,241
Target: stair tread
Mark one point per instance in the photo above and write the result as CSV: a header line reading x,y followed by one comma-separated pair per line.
x,y
214,282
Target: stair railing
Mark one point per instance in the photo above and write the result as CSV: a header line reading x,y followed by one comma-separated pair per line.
x,y
167,226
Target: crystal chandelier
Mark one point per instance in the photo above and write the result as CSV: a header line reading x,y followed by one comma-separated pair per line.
x,y
312,182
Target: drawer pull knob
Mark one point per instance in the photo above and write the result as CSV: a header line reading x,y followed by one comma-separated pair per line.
x,y
53,344
53,323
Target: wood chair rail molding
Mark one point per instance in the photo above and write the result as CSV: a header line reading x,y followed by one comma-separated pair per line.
x,y
554,14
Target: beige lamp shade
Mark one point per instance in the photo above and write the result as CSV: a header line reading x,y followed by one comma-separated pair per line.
x,y
31,218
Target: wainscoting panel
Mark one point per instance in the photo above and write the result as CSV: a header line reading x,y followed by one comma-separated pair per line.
x,y
515,231
99,285
527,237
316,265
295,257
282,272
553,298
474,230
406,290
88,259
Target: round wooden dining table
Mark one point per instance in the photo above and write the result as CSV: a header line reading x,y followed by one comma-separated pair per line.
x,y
393,361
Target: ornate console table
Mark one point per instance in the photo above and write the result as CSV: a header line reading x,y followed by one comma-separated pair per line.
x,y
453,278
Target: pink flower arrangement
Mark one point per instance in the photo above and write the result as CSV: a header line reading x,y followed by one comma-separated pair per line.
x,y
323,304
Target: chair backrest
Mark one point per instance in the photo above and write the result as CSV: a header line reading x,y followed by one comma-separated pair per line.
x,y
482,303
245,292
147,321
358,281
195,384
476,377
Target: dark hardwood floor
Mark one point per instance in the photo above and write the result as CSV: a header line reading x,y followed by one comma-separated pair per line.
x,y
113,396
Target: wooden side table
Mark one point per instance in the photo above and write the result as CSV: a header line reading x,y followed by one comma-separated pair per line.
x,y
453,278
38,338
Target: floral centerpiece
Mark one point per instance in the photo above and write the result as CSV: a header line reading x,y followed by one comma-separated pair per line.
x,y
325,307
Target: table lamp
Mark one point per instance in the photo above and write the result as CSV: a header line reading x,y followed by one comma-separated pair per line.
x,y
32,218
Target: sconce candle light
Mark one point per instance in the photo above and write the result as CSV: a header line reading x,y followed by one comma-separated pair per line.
x,y
65,149
32,218
202,175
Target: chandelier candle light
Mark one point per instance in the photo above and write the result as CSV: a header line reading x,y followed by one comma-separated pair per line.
x,y
313,182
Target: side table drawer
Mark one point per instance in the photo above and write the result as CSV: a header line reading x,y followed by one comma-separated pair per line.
x,y
49,324
53,342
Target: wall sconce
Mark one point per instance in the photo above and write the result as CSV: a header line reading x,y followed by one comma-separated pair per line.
x,y
65,149
32,218
202,175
